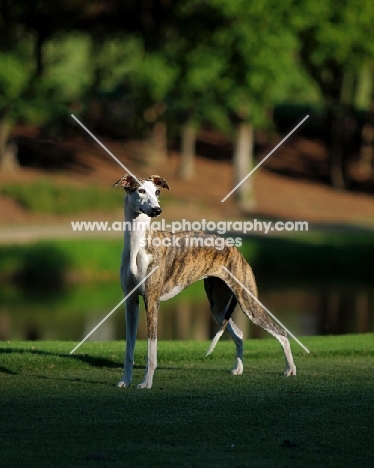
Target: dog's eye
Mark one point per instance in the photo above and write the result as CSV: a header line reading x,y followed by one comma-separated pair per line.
x,y
141,190
157,193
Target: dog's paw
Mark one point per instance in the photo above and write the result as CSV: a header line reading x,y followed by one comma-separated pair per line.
x,y
122,384
238,369
144,384
290,371
147,383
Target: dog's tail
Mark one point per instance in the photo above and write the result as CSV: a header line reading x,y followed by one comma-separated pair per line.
x,y
225,322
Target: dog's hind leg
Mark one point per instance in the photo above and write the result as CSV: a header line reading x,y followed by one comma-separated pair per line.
x,y
254,311
265,322
132,314
281,336
222,303
260,317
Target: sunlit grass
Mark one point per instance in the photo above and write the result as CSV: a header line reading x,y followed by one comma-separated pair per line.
x,y
63,410
46,197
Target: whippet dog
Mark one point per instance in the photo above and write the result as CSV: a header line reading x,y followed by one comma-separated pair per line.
x,y
179,265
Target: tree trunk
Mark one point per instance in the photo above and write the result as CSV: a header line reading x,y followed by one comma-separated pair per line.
x,y
187,163
8,151
243,164
365,100
367,151
39,42
159,143
341,126
155,145
337,179
337,159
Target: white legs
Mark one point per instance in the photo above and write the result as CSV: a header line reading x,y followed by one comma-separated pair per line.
x,y
151,364
290,365
237,336
132,314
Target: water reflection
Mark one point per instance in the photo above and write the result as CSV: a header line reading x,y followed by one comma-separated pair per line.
x,y
306,309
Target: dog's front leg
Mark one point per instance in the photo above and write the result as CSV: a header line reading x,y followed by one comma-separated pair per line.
x,y
132,315
152,312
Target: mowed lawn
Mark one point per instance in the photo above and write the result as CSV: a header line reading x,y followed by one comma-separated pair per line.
x,y
58,410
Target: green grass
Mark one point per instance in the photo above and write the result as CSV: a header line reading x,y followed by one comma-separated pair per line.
x,y
62,410
46,197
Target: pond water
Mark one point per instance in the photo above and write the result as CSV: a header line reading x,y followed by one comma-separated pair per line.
x,y
71,313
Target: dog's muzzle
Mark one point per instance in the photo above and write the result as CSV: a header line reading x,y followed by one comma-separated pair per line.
x,y
156,212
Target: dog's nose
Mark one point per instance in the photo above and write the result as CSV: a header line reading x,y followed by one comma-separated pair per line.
x,y
156,211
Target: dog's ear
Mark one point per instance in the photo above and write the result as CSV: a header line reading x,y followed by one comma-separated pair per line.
x,y
128,182
159,181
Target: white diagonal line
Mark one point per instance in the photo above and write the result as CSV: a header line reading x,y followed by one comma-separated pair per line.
x,y
111,154
267,310
261,162
116,307
104,147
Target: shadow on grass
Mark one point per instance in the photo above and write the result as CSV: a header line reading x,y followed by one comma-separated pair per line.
x,y
92,361
85,358
99,362
4,370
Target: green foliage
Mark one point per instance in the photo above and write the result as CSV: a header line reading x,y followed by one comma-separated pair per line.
x,y
327,24
311,256
334,39
154,76
208,60
70,401
44,265
92,258
67,63
235,58
45,197
15,72
24,96
112,61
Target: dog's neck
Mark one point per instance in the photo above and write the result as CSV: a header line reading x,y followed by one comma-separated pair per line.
x,y
137,226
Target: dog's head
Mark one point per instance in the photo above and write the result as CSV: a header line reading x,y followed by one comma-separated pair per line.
x,y
142,194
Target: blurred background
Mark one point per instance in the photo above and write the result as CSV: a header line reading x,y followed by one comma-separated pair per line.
x,y
198,92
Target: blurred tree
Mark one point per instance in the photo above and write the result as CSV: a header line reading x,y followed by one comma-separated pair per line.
x,y
151,83
25,91
128,56
234,59
44,57
14,76
335,44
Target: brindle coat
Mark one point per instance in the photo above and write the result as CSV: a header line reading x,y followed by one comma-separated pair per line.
x,y
180,265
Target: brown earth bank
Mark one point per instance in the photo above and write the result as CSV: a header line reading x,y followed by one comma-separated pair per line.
x,y
290,185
